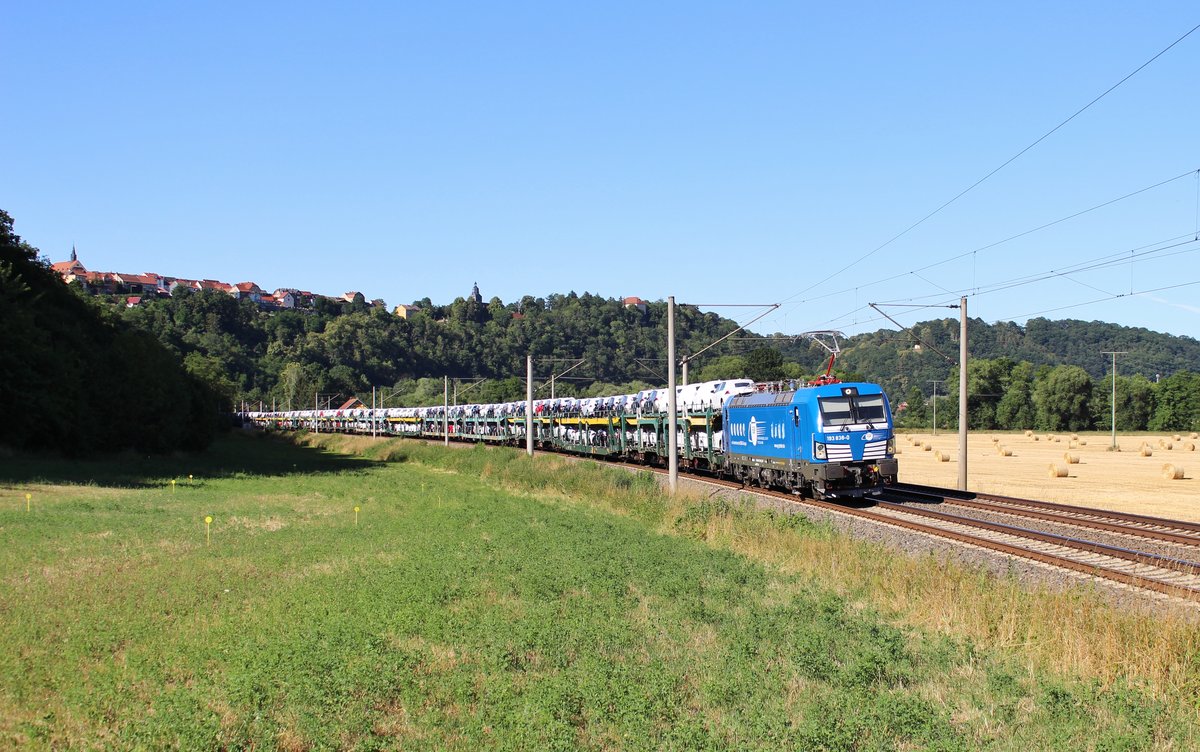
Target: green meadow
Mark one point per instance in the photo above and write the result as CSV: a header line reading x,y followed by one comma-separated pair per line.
x,y
482,600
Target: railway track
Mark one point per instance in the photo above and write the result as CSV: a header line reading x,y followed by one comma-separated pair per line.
x,y
1132,526
945,513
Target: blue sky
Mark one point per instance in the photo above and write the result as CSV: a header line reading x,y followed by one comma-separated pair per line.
x,y
718,152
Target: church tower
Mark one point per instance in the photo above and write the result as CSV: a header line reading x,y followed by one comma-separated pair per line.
x,y
475,294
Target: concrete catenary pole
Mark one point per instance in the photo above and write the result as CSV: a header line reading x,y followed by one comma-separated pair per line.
x,y
446,410
529,405
1114,355
962,394
934,400
673,427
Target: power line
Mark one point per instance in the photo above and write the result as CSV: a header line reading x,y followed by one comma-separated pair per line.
x,y
1110,297
1102,263
1156,249
994,244
1007,162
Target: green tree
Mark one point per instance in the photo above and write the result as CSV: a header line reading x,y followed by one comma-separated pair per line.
x,y
1177,403
986,382
724,367
916,410
1062,399
1015,410
764,364
1135,403
294,389
77,379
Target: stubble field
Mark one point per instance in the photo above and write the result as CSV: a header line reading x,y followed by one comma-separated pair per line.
x,y
1127,480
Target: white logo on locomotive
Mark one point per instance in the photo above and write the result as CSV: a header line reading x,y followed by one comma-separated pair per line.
x,y
758,431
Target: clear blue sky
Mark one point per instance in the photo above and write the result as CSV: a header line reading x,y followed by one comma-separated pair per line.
x,y
717,152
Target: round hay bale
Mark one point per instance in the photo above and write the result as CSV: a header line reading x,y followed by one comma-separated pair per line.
x,y
1083,442
941,456
1037,438
1194,435
1172,472
1057,471
927,447
1177,437
1029,433
1057,440
1189,447
1004,451
1146,451
1074,437
1072,459
1166,444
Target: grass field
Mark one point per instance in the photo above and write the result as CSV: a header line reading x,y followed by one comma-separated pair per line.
x,y
486,601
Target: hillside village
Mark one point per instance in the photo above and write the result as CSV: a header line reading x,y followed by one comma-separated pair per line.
x,y
136,288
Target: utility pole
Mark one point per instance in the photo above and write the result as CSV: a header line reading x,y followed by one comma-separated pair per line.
x,y
962,394
529,405
672,438
446,410
1114,354
684,364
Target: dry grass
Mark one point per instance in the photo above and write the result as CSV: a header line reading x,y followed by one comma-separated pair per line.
x,y
1068,633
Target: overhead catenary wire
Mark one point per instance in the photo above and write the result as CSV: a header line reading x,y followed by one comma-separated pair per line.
x,y
1033,279
994,244
1179,244
1110,297
1007,162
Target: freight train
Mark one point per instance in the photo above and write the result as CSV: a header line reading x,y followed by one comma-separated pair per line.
x,y
823,439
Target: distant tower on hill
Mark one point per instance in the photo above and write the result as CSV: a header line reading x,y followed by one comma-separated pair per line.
x,y
475,293
74,256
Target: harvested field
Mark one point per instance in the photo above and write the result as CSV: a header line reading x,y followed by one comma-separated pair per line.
x,y
1123,480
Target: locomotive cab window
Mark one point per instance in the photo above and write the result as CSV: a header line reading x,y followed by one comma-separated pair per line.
x,y
850,410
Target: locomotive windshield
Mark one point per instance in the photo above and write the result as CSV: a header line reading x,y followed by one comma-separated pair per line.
x,y
849,410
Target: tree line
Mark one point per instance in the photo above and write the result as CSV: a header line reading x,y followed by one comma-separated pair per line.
x,y
76,378
87,372
1018,376
1003,394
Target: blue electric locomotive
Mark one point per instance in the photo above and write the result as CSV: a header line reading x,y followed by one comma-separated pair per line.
x,y
826,441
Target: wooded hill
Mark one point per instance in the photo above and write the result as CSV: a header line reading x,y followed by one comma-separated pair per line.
x,y
295,359
81,372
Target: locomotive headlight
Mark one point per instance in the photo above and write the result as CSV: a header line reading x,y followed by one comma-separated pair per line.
x,y
891,445
819,450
